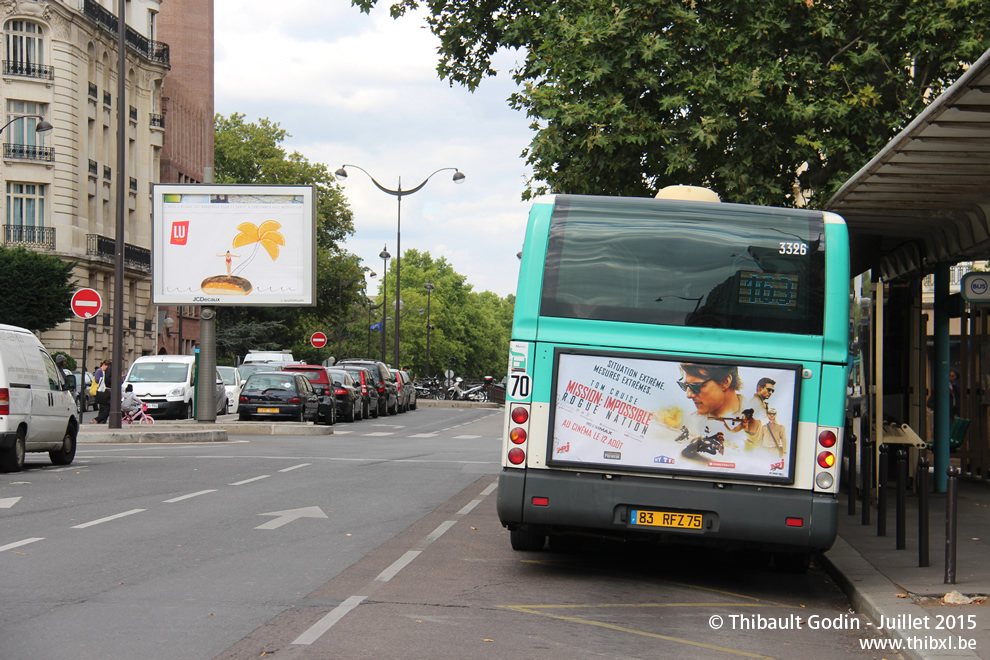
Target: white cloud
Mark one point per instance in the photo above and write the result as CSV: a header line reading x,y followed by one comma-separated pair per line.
x,y
354,88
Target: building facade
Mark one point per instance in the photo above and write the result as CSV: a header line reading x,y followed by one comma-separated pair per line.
x,y
60,65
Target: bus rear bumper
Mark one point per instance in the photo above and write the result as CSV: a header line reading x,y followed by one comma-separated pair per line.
x,y
768,517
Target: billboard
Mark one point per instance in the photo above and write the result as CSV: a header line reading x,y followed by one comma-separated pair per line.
x,y
640,413
234,245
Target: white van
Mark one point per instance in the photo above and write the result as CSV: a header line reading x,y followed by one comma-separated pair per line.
x,y
165,383
37,402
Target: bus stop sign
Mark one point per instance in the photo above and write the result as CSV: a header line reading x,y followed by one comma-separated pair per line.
x,y
975,287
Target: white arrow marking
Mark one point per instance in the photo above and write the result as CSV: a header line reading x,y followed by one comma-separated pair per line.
x,y
7,502
285,517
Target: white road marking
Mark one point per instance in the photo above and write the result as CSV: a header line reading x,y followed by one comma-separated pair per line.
x,y
379,434
108,518
397,566
424,435
247,481
7,502
186,497
285,517
11,546
466,437
295,467
438,532
324,624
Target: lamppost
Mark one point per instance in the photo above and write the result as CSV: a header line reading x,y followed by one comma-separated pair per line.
x,y
429,289
385,256
341,283
371,307
398,193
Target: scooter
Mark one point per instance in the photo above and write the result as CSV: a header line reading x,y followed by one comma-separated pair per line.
x,y
455,393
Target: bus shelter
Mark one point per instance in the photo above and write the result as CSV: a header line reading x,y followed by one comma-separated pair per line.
x,y
919,207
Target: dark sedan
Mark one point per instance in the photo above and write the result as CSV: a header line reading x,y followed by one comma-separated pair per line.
x,y
278,394
348,393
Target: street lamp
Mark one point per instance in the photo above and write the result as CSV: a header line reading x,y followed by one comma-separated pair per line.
x,y
341,283
385,256
429,289
41,127
398,193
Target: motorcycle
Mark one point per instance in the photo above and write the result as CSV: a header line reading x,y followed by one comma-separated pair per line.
x,y
455,392
429,389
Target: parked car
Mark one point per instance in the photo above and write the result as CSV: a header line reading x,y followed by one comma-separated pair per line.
x,y
232,382
84,401
320,381
278,394
37,405
347,393
405,389
384,382
248,368
369,391
165,384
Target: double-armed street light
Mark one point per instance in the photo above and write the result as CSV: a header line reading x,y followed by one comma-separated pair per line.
x,y
398,193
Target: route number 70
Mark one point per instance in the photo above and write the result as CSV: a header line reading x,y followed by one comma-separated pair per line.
x,y
520,386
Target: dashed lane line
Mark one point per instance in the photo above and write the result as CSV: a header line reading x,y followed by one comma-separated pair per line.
x,y
190,495
336,614
108,518
17,544
247,481
295,467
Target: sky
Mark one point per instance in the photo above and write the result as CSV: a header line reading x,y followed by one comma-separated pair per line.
x,y
352,88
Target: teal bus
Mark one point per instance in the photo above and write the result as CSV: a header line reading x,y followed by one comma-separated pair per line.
x,y
677,372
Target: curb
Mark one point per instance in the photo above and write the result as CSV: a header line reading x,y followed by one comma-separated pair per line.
x,y
873,594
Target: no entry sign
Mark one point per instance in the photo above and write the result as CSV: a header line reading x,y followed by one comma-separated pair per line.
x,y
319,340
86,303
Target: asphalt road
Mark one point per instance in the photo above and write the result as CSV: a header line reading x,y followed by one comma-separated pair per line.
x,y
380,541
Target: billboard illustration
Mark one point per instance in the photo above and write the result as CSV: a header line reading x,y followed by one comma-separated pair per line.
x,y
233,245
664,415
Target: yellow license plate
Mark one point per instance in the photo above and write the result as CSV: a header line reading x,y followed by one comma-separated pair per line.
x,y
665,519
267,410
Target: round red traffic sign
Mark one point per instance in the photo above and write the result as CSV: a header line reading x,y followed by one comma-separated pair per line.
x,y
86,303
319,340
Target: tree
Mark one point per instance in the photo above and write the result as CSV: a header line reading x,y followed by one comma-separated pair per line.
x,y
37,289
253,153
746,98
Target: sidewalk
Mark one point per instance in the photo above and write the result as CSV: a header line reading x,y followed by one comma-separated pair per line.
x,y
883,581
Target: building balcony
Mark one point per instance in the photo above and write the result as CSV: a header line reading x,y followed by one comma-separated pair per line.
x,y
33,237
93,92
104,248
28,152
157,120
28,69
152,50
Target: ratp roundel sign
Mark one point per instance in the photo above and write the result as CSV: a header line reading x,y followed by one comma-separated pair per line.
x,y
234,245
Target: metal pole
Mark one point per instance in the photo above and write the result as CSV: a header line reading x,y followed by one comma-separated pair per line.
x,y
923,511
882,492
429,290
952,493
117,350
851,474
901,499
398,260
866,454
940,379
206,403
384,299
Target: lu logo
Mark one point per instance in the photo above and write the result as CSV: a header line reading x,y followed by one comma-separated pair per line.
x,y
180,232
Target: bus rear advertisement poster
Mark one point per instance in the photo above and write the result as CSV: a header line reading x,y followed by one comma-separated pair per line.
x,y
640,413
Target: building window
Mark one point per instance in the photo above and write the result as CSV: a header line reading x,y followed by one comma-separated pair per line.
x,y
25,48
23,132
25,204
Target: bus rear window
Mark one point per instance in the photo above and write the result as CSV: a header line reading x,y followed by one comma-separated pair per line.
x,y
641,260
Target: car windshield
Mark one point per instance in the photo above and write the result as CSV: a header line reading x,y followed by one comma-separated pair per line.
x,y
270,382
339,378
158,372
247,369
229,375
311,374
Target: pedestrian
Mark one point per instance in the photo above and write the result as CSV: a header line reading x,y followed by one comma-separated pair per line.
x,y
105,381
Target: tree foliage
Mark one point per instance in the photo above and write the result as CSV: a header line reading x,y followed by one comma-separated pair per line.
x,y
470,330
252,153
745,97
37,289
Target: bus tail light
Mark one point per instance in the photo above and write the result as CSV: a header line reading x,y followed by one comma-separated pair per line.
x,y
517,435
516,456
827,439
826,459
4,401
520,415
